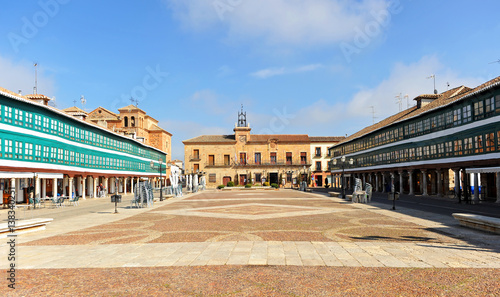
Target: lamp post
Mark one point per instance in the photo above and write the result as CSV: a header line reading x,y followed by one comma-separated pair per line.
x,y
342,159
161,181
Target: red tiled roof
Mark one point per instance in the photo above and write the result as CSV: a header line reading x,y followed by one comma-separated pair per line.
x,y
326,138
280,138
212,138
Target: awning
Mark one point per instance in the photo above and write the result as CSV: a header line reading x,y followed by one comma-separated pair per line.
x,y
30,175
482,170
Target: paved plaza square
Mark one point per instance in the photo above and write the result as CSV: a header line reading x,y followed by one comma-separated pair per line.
x,y
249,243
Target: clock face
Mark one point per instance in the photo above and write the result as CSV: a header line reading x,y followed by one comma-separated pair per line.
x,y
243,138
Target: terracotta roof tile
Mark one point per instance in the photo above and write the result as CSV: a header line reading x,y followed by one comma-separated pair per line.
x,y
326,138
212,138
280,138
443,99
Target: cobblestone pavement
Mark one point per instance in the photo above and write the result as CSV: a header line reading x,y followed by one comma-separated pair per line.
x,y
268,238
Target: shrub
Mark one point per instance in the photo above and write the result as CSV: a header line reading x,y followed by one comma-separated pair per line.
x,y
220,187
276,186
266,184
230,184
248,185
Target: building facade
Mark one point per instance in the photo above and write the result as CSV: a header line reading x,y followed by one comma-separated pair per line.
x,y
443,145
320,157
57,153
247,158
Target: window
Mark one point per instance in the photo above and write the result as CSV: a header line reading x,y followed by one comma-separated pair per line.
x,y
478,144
257,158
212,178
318,152
38,122
196,168
318,166
419,127
448,148
18,117
7,114
45,153
8,148
427,124
440,149
497,103
18,154
457,117
46,125
478,110
468,145
303,158
60,155
53,154
1,139
433,150
196,154
449,119
289,158
211,160
289,177
227,160
272,158
28,151
411,128
243,158
467,114
458,147
489,105
490,142
29,120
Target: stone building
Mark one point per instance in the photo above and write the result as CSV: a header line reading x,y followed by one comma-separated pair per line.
x,y
320,158
244,157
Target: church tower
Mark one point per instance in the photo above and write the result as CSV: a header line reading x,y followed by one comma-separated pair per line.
x,y
242,128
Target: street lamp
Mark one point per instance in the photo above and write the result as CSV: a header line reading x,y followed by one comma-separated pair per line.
x,y
342,159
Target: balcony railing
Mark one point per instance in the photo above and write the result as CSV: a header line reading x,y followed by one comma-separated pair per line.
x,y
273,163
217,164
194,158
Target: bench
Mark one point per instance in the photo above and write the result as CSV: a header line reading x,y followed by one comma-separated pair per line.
x,y
24,226
334,194
479,222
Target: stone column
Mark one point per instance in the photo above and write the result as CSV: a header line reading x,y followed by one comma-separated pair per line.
x,y
457,181
498,187
131,185
384,181
94,188
54,188
446,182
476,187
410,180
65,182
424,182
70,187
376,183
439,183
125,185
84,186
433,183
106,185
44,188
401,188
37,187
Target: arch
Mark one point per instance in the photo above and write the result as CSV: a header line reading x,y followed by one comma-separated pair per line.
x,y
125,122
132,121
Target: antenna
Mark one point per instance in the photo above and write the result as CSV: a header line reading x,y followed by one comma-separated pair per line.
x,y
399,101
83,101
434,77
35,88
407,101
373,114
498,61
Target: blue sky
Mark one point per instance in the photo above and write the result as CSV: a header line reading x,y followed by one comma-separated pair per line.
x,y
297,66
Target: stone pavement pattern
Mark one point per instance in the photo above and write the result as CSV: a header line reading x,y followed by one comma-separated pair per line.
x,y
229,232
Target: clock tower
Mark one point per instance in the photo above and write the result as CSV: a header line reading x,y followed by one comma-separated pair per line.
x,y
242,128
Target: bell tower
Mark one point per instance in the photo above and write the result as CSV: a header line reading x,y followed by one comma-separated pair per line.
x,y
242,128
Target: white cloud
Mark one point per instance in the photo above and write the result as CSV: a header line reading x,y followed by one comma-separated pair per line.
x,y
269,72
324,117
16,76
292,22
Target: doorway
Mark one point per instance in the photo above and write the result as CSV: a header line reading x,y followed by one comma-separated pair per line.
x,y
225,180
273,178
243,179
